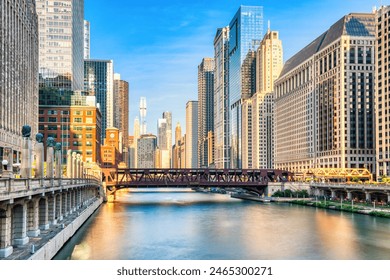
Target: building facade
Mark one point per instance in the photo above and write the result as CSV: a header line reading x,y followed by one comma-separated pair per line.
x,y
382,93
147,147
221,99
18,73
87,39
325,100
72,120
191,140
61,44
205,109
99,82
121,105
258,130
246,31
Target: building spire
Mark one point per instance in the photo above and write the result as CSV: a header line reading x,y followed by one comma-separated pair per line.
x,y
269,26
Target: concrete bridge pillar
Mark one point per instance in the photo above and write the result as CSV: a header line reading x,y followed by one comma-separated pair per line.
x,y
43,214
69,164
50,158
333,194
58,211
26,162
6,248
368,196
58,160
349,195
19,225
74,165
39,156
33,218
52,210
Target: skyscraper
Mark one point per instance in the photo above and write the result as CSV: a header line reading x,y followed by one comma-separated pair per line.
x,y
146,154
136,137
221,99
142,113
61,43
246,29
87,39
18,73
99,82
121,105
382,92
162,143
324,100
258,134
168,117
191,140
206,108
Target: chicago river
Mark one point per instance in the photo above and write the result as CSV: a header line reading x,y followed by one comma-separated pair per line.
x,y
179,224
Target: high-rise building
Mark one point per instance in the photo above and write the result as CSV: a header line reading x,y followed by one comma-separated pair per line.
x,y
205,109
176,147
246,29
73,120
121,105
18,74
221,99
132,154
382,114
137,135
168,117
61,44
162,143
147,146
142,113
257,131
99,82
87,39
191,140
325,100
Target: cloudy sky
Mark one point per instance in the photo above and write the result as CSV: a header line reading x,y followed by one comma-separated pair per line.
x,y
157,45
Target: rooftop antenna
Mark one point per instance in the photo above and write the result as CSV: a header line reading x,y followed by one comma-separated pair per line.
x,y
269,26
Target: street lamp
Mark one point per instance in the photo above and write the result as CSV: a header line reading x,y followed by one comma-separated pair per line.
x,y
5,164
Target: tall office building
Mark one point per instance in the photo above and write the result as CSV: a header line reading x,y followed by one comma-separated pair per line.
x,y
121,105
18,74
176,147
99,82
61,43
142,113
246,29
206,108
162,143
87,39
137,135
168,117
146,151
191,140
258,134
221,99
325,100
382,96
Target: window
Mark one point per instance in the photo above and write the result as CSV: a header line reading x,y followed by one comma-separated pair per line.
x,y
77,120
52,119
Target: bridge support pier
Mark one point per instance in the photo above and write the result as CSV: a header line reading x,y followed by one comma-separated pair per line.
x,y
33,219
349,195
6,248
368,196
333,194
19,225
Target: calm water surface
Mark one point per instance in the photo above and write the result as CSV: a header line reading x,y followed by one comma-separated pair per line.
x,y
185,225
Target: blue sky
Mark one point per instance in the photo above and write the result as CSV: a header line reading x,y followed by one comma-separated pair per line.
x,y
157,45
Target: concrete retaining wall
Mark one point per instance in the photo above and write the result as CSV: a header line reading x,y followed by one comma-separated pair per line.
x,y
51,248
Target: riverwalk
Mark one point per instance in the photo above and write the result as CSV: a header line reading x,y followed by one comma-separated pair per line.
x,y
50,241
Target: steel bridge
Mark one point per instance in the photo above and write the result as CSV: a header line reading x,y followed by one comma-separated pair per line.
x,y
255,180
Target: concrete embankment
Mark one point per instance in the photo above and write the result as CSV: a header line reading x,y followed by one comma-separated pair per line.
x,y
54,244
50,241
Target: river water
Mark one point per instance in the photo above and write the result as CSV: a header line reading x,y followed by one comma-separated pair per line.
x,y
178,224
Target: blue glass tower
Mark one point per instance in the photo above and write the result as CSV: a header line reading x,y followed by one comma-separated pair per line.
x,y
246,31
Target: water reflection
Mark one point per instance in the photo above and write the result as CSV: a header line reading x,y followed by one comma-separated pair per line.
x,y
188,225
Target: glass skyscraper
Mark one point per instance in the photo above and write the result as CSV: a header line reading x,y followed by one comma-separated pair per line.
x,y
61,43
99,82
246,32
